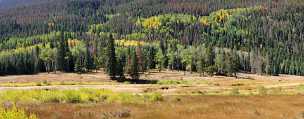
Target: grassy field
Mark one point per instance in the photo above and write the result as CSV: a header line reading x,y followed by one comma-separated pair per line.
x,y
104,104
165,95
175,107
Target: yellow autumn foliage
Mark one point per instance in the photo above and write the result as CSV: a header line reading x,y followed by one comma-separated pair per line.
x,y
126,43
73,42
222,15
204,21
225,15
152,23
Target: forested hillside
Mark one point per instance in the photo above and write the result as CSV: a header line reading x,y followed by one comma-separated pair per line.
x,y
129,37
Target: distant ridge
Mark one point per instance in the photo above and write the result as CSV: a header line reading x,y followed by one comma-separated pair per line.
x,y
6,4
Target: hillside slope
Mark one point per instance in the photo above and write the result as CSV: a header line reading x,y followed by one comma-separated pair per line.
x,y
207,36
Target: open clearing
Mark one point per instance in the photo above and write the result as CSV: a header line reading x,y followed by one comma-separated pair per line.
x,y
187,96
166,82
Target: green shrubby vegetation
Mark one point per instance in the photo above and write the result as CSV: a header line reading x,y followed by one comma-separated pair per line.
x,y
300,88
176,82
76,96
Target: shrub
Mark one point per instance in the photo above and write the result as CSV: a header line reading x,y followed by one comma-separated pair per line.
x,y
154,97
47,83
262,90
39,84
300,88
172,82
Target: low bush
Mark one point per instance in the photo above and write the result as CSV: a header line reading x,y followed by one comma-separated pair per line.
x,y
300,88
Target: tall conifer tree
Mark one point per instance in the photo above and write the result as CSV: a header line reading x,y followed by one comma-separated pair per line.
x,y
111,60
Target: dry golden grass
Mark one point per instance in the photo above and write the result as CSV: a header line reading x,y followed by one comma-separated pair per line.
x,y
58,77
166,82
189,107
100,76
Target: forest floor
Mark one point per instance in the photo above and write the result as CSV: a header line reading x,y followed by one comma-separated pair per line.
x,y
187,96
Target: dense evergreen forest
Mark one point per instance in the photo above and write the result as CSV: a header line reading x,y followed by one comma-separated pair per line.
x,y
129,37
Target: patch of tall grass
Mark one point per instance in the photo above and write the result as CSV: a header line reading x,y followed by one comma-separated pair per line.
x,y
262,90
15,113
300,88
76,96
235,91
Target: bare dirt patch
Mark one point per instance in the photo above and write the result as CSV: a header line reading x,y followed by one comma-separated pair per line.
x,y
57,77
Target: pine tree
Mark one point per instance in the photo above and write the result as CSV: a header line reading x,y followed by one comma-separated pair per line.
x,y
89,61
79,67
163,48
134,73
120,67
111,60
63,55
151,58
140,59
35,59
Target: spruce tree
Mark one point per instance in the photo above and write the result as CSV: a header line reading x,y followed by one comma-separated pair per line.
x,y
111,60
35,59
63,55
89,61
120,67
151,58
134,67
